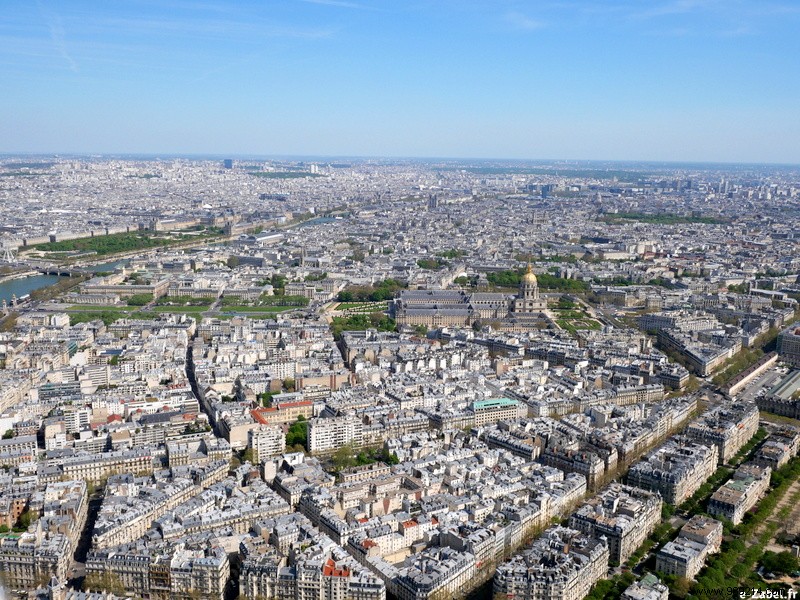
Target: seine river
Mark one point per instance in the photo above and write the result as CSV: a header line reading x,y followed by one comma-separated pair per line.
x,y
20,287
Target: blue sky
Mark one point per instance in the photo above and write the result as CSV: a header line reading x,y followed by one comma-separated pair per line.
x,y
712,80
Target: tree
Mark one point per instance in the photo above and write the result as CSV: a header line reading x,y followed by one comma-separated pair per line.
x,y
343,458
248,456
390,458
385,290
431,264
780,562
740,571
376,318
266,399
140,299
278,282
693,385
679,586
298,433
289,384
8,434
26,518
364,458
283,300
107,581
233,262
565,302
361,322
452,253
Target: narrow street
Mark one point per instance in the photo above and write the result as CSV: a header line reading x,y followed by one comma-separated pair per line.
x,y
78,568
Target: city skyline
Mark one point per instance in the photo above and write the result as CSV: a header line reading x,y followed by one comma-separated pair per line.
x,y
676,81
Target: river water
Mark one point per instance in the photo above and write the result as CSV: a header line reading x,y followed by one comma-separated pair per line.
x,y
20,287
317,221
109,266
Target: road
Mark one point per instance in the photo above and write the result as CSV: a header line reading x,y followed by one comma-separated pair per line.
x,y
213,310
78,568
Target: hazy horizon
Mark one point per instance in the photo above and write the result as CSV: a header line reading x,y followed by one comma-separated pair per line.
x,y
595,163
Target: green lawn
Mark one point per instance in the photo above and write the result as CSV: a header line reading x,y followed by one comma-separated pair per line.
x,y
116,243
259,309
773,418
349,305
254,316
573,325
362,307
106,316
98,308
569,313
173,301
179,309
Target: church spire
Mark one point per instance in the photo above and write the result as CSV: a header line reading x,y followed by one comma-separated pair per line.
x,y
529,279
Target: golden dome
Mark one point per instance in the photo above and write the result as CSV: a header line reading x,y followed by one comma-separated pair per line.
x,y
529,278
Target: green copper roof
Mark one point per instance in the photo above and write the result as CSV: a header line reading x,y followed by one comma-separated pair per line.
x,y
493,402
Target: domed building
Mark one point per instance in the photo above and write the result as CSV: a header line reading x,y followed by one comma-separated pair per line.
x,y
528,301
441,308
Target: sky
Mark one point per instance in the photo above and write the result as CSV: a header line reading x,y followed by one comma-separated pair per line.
x,y
665,80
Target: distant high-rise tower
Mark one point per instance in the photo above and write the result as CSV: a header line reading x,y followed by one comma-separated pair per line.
x,y
433,201
227,163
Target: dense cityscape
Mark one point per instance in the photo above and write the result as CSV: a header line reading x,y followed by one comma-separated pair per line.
x,y
398,379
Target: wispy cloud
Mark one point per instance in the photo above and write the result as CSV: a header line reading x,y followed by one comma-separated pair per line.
x,y
56,29
522,22
672,18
